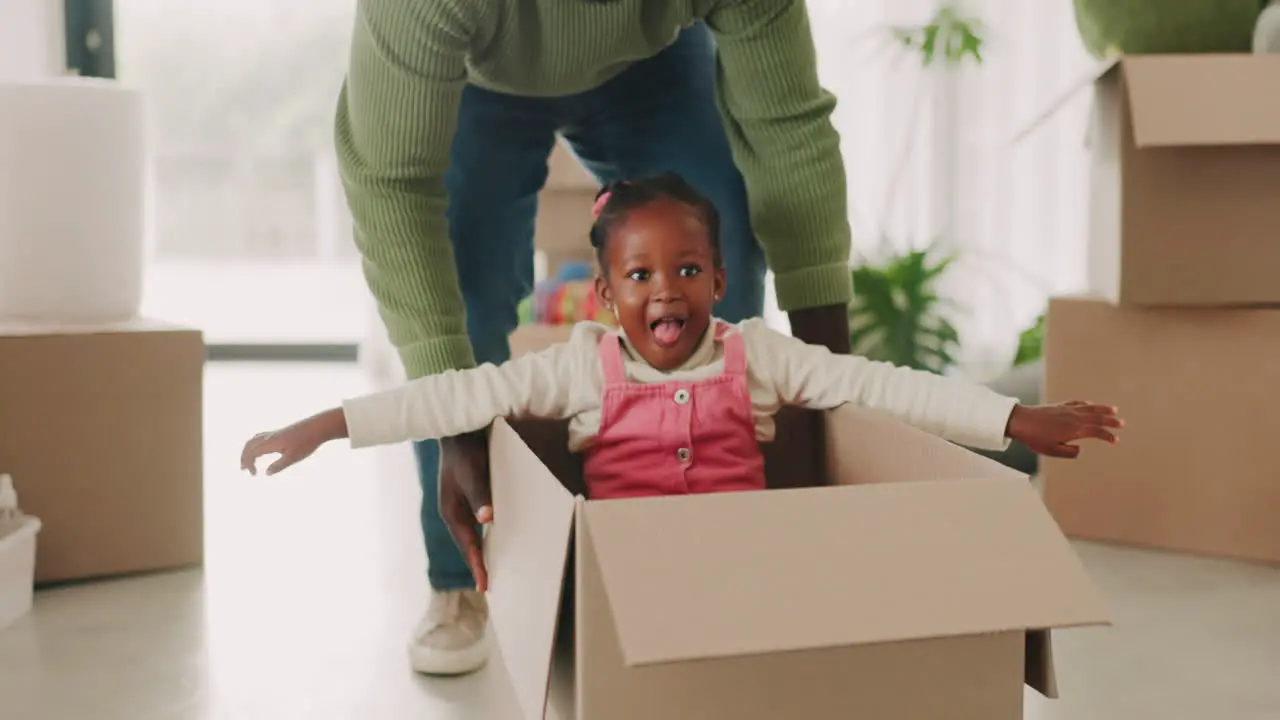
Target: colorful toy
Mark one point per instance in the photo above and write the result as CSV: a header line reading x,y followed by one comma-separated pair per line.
x,y
568,298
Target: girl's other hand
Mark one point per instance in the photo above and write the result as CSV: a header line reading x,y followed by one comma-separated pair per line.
x,y
293,443
1052,429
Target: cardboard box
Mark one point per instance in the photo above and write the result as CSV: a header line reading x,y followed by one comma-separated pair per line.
x,y
563,227
921,585
536,337
1195,470
1185,173
103,430
564,211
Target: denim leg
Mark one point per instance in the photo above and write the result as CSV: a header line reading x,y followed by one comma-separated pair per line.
x,y
498,163
660,115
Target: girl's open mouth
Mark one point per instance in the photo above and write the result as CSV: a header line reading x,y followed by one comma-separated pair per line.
x,y
666,331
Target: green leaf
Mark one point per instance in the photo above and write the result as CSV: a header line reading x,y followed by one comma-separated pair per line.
x,y
948,37
897,313
1030,343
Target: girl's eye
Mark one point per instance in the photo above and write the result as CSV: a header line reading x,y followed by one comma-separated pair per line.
x,y
690,271
638,275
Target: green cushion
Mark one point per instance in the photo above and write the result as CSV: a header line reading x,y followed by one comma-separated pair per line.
x,y
1167,26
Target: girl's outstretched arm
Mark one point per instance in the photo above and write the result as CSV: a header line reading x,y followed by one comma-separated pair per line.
x,y
813,377
961,411
293,443
456,402
444,405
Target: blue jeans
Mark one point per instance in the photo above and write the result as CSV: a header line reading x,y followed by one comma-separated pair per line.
x,y
657,116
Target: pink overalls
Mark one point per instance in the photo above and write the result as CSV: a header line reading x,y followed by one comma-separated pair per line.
x,y
674,438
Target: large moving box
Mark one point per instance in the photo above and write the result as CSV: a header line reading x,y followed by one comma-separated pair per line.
x,y
103,432
564,211
920,584
1185,180
1195,469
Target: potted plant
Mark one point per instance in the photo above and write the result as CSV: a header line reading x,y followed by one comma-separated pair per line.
x,y
1030,343
1166,26
897,314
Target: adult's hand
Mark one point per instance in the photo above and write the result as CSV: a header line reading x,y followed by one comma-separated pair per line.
x,y
796,456
827,326
464,496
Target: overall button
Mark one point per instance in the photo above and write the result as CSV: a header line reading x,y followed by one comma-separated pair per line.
x,y
683,454
682,397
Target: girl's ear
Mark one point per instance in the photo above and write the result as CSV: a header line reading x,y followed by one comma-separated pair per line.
x,y
720,283
604,293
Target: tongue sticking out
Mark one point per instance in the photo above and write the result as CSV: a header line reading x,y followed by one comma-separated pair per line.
x,y
667,332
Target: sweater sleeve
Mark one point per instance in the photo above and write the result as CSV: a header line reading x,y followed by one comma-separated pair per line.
x,y
812,376
396,116
455,402
778,120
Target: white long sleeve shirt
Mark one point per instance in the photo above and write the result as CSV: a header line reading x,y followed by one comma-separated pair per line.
x,y
566,381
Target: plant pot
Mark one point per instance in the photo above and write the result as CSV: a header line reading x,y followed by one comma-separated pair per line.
x,y
1166,26
1266,36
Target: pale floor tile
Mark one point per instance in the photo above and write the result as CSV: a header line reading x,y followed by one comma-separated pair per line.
x,y
315,578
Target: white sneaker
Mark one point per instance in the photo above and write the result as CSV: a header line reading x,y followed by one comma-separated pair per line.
x,y
452,638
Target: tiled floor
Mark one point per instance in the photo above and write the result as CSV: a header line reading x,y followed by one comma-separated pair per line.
x,y
314,578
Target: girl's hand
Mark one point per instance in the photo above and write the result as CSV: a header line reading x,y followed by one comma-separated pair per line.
x,y
293,443
1051,429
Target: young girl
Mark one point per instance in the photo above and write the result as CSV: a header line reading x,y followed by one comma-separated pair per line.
x,y
676,401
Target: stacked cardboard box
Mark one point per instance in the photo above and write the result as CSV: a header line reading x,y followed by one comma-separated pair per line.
x,y
102,430
1181,327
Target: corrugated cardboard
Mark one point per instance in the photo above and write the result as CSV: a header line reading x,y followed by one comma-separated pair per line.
x,y
1184,180
565,172
536,337
564,211
1195,469
103,429
921,584
563,227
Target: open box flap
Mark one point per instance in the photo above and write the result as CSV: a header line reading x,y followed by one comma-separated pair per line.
x,y
1187,99
1217,99
526,549
1085,80
867,446
710,576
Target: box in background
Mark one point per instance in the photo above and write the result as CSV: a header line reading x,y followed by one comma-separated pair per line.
x,y
563,228
1195,469
1184,179
103,429
922,583
534,337
564,211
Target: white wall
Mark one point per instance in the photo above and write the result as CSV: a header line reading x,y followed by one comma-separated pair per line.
x,y
1014,213
31,38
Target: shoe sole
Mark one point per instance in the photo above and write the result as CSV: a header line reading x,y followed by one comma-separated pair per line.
x,y
445,663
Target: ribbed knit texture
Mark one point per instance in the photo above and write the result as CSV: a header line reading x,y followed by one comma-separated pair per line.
x,y
410,60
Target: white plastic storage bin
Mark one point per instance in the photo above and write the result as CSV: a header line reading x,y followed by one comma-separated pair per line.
x,y
17,557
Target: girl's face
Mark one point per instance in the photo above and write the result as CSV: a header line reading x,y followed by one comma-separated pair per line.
x,y
661,279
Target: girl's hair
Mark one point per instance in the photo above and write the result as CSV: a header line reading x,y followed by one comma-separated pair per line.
x,y
617,199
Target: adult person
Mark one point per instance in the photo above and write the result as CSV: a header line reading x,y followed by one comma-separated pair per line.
x,y
446,119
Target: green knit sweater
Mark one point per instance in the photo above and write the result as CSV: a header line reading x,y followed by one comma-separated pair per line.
x,y
410,60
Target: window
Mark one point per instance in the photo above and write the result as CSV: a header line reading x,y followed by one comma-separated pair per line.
x,y
248,237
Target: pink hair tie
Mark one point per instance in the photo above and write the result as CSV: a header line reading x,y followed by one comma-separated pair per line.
x,y
600,203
